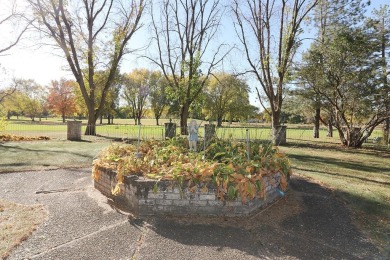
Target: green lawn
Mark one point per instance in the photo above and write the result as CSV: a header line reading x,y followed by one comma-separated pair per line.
x,y
361,178
36,155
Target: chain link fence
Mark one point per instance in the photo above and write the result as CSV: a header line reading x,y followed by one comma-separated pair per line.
x,y
117,132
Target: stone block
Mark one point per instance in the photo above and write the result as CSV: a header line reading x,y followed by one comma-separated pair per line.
x,y
215,203
234,203
163,202
146,202
180,202
207,196
198,203
152,195
172,196
146,210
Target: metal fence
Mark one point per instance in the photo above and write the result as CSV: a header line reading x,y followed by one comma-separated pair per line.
x,y
294,134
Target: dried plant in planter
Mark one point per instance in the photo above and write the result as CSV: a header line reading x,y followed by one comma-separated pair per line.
x,y
223,163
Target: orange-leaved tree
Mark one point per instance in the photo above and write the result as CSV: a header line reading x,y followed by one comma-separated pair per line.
x,y
61,99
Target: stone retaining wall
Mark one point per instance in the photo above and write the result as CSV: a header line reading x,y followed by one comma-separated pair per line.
x,y
137,196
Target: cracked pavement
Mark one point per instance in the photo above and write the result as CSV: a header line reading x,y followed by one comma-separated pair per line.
x,y
81,224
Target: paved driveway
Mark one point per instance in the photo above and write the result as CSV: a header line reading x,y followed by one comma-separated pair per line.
x,y
309,224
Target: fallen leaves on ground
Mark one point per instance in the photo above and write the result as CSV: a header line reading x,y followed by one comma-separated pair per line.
x,y
8,138
17,222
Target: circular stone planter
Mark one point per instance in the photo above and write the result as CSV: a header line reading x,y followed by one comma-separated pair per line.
x,y
144,197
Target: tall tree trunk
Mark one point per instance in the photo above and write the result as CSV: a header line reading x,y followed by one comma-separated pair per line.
x,y
63,118
386,129
275,118
343,140
219,121
330,128
157,118
183,119
316,131
275,125
91,125
101,119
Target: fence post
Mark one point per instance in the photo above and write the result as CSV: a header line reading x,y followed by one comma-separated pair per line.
x,y
247,143
170,129
139,155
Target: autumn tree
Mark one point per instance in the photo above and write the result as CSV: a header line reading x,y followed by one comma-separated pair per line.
x,y
61,98
159,99
81,110
93,35
269,34
32,98
8,91
226,96
183,32
12,105
112,103
136,90
112,97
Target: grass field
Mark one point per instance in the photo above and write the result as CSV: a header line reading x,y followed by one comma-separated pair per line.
x,y
361,178
125,128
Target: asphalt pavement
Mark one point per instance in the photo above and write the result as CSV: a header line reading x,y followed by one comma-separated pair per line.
x,y
309,223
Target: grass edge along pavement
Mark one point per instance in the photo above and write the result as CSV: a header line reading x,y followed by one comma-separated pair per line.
x,y
346,171
360,177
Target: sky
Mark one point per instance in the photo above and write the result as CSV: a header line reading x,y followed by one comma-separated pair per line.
x,y
30,60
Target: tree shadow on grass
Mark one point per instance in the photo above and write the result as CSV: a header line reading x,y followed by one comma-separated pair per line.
x,y
383,152
341,164
344,176
6,148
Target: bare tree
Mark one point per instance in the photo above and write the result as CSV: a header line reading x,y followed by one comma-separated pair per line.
x,y
183,33
268,31
93,35
13,17
4,93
